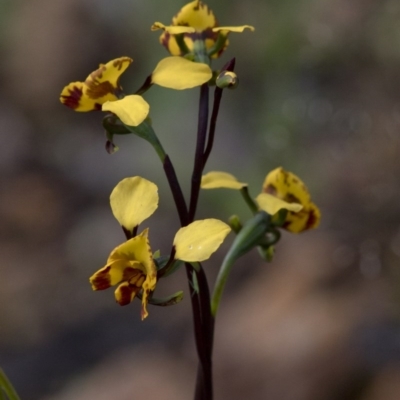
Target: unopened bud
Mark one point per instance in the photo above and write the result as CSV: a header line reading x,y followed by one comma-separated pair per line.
x,y
227,79
235,224
111,148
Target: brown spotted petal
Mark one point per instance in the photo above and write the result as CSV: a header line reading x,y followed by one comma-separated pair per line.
x,y
131,264
307,218
99,87
290,188
71,96
125,293
195,21
113,273
197,15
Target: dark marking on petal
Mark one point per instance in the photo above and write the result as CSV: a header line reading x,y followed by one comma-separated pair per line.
x,y
130,273
271,189
290,198
135,278
312,219
101,280
125,295
119,63
97,90
74,97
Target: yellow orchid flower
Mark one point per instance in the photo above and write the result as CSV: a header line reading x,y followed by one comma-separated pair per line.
x,y
281,190
101,89
131,264
291,189
131,267
195,21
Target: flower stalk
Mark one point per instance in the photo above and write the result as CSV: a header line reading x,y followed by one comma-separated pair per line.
x,y
193,40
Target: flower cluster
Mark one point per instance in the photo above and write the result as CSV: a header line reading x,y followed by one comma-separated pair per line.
x,y
193,39
194,27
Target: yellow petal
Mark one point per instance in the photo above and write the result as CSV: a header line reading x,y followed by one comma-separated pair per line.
x,y
173,30
106,78
133,200
99,87
74,96
308,218
200,239
132,110
314,217
239,29
290,188
138,249
286,186
217,179
71,96
197,15
179,73
116,271
272,204
195,20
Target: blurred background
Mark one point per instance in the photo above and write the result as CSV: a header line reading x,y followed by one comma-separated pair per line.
x,y
319,94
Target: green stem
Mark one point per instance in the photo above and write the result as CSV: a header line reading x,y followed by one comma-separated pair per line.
x,y
223,274
146,131
200,52
250,236
219,45
249,201
180,40
7,387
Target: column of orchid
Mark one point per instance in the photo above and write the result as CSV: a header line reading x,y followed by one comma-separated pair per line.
x,y
193,39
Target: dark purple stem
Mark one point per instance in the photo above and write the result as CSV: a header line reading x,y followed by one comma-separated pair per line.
x,y
200,145
176,190
229,66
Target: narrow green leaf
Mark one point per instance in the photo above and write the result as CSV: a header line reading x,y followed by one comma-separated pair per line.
x,y
7,387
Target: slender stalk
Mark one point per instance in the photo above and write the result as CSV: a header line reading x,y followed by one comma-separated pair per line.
x,y
201,307
213,123
221,281
251,235
229,66
249,201
203,391
201,141
176,190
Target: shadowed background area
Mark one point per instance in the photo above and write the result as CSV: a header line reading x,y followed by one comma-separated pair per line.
x,y
319,94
